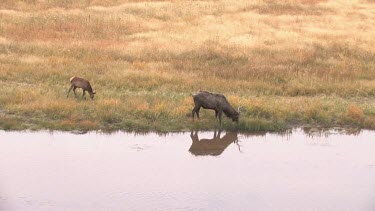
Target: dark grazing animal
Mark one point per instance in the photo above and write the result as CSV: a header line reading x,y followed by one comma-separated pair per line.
x,y
82,83
217,102
214,146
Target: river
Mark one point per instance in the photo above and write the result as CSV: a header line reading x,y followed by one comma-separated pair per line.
x,y
297,170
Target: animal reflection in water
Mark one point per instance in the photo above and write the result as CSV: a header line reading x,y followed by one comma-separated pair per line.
x,y
214,146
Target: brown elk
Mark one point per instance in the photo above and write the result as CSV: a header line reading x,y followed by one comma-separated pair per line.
x,y
82,83
217,102
214,146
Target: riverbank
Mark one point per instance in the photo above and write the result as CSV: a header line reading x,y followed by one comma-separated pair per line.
x,y
286,64
174,114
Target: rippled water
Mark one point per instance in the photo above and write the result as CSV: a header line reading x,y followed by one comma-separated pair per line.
x,y
187,171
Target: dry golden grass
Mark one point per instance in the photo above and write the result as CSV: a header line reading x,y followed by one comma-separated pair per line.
x,y
287,62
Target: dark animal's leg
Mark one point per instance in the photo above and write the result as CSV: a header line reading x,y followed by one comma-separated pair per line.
x,y
193,112
219,133
196,111
71,87
83,95
74,90
220,114
199,108
216,113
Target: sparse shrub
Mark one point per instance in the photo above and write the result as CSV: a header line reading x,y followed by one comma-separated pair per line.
x,y
88,125
68,125
355,114
370,122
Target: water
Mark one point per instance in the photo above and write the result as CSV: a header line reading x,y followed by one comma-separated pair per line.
x,y
184,171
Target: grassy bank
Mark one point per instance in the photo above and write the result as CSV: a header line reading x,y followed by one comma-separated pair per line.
x,y
286,63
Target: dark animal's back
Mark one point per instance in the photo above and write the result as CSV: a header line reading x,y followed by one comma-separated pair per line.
x,y
204,97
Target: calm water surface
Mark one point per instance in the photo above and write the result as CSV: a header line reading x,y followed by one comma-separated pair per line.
x,y
187,171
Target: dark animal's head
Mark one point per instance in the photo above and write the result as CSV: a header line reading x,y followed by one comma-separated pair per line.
x,y
235,117
92,94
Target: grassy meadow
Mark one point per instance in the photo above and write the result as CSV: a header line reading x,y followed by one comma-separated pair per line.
x,y
286,63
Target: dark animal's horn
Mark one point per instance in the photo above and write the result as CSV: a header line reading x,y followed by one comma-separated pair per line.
x,y
239,109
239,106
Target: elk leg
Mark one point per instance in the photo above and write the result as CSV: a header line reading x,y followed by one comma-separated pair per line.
x,y
71,87
74,90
